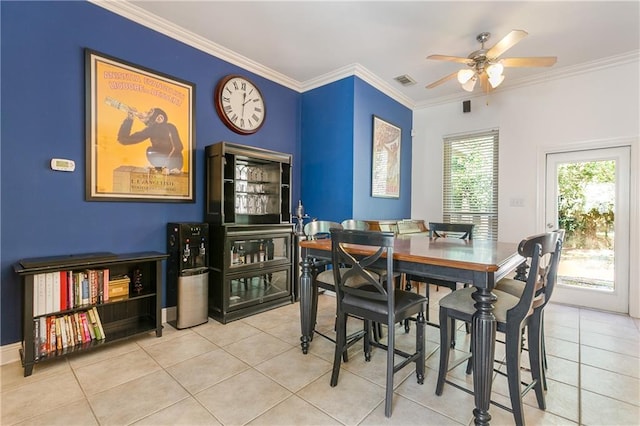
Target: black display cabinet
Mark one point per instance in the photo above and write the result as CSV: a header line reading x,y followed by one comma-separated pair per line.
x,y
248,208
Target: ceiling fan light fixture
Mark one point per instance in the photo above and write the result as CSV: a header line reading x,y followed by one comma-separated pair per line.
x,y
496,80
470,84
464,75
495,70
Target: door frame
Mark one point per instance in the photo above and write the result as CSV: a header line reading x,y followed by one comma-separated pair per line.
x,y
634,201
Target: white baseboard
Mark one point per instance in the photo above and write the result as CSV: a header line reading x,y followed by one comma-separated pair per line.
x,y
169,314
10,353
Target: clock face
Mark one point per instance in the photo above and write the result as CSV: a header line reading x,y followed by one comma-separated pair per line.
x,y
239,104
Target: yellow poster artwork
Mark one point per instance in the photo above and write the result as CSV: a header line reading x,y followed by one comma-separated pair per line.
x,y
139,133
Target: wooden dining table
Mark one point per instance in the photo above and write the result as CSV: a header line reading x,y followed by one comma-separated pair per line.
x,y
479,263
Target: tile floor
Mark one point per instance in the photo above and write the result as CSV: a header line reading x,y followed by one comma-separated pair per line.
x,y
252,372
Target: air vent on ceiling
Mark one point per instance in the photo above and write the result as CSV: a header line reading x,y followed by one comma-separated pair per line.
x,y
405,80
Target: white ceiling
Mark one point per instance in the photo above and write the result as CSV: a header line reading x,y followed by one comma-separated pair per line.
x,y
303,44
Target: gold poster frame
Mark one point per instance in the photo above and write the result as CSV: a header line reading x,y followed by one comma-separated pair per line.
x,y
140,133
385,159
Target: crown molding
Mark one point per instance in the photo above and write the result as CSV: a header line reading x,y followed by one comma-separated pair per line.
x,y
365,75
554,74
143,17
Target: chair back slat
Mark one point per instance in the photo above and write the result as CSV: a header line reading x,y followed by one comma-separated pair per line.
x,y
319,229
357,268
543,253
463,231
359,225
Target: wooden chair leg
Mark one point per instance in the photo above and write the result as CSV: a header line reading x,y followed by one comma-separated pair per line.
x,y
535,358
388,399
512,347
445,338
420,347
341,347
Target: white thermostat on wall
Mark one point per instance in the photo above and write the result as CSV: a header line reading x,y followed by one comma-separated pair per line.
x,y
63,165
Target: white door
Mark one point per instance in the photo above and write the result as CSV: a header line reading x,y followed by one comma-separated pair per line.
x,y
587,194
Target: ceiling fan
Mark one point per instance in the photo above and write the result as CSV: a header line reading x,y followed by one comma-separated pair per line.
x,y
486,65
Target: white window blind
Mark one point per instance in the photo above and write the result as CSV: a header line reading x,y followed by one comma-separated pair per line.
x,y
470,193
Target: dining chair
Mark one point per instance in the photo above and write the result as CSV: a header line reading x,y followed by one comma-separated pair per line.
x,y
515,286
363,293
360,225
463,231
513,314
322,276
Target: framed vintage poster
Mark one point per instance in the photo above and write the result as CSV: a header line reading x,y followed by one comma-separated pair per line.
x,y
385,163
140,139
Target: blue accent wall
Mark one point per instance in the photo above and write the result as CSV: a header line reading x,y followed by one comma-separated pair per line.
x,y
369,101
44,212
327,154
337,138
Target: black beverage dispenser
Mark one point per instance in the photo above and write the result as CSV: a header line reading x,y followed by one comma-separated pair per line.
x,y
188,272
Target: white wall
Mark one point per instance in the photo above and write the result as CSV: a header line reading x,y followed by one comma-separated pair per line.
x,y
601,107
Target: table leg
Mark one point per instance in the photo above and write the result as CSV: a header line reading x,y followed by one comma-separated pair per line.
x,y
306,304
484,338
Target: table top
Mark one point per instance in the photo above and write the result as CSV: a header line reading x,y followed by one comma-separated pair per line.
x,y
473,255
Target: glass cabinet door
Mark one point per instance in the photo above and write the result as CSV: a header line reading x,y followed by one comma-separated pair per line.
x,y
258,251
259,286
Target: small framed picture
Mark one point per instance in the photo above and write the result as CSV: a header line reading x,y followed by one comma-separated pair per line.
x,y
385,162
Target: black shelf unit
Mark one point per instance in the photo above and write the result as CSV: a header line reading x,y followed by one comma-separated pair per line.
x,y
121,319
248,208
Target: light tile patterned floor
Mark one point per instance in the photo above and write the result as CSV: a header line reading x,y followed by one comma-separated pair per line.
x,y
252,372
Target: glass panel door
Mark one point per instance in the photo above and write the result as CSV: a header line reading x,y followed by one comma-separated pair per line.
x,y
587,194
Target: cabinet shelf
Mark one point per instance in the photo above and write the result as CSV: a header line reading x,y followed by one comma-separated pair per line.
x,y
120,319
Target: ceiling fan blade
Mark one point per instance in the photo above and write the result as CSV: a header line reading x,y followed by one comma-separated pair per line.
x,y
442,80
506,43
534,61
450,58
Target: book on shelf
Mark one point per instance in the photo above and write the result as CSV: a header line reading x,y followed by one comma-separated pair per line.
x,y
99,321
49,293
42,294
64,290
58,333
84,286
36,338
55,276
53,333
105,286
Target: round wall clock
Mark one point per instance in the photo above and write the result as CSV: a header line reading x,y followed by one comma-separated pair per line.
x,y
240,104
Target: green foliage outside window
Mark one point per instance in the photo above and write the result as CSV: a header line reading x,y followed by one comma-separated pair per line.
x,y
586,204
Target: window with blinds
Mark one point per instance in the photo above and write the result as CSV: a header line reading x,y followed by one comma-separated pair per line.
x,y
470,193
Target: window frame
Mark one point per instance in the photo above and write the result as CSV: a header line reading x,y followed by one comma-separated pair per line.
x,y
481,205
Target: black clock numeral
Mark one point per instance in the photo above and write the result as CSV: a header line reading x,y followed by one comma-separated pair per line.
x,y
235,85
234,118
244,86
242,122
250,91
226,99
257,109
250,122
228,109
255,117
228,90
